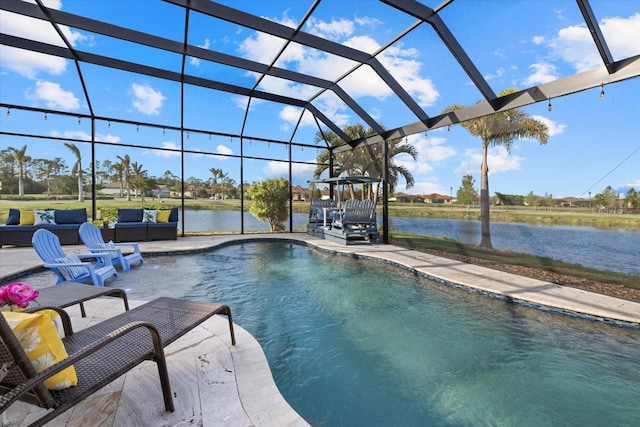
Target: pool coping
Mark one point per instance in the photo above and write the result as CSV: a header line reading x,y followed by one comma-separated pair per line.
x,y
539,294
545,296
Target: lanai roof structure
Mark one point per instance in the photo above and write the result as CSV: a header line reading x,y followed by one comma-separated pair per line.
x,y
172,41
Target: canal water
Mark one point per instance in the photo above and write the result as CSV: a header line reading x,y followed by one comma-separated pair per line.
x,y
608,250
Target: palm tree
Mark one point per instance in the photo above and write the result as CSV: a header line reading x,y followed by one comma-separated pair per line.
x,y
366,160
139,180
125,162
118,171
21,158
214,181
76,170
500,128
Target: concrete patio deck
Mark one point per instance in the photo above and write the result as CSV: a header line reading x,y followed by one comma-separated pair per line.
x,y
234,383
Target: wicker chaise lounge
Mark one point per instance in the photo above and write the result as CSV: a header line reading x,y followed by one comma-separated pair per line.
x,y
102,353
66,294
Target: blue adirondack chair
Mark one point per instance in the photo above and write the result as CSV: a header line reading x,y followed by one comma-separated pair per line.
x,y
71,268
92,239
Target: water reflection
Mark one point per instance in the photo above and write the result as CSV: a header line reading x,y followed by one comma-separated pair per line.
x,y
609,250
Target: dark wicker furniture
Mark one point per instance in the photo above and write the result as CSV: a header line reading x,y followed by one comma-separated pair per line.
x,y
67,294
130,227
66,228
103,352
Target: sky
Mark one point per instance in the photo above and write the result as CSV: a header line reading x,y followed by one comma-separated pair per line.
x,y
593,143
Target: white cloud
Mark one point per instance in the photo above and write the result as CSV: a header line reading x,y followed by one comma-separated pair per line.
x,y
498,159
242,101
365,82
538,40
51,4
79,134
332,107
285,87
499,72
421,187
364,43
404,68
575,45
261,47
635,185
71,134
416,167
291,115
53,96
554,127
223,149
167,154
623,35
401,63
367,21
544,72
431,151
196,61
30,64
281,169
334,30
107,138
146,99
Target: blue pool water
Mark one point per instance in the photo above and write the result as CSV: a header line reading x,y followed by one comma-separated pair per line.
x,y
357,343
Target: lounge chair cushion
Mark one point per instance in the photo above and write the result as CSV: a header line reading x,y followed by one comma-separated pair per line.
x,y
14,217
149,215
71,216
163,215
129,215
27,217
39,338
43,217
70,273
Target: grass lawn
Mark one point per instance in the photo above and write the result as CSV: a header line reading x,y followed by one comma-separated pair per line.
x,y
540,267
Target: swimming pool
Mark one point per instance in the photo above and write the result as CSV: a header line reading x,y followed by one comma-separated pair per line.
x,y
352,342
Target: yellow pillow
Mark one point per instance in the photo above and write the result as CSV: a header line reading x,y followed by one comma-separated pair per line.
x,y
163,215
27,217
39,338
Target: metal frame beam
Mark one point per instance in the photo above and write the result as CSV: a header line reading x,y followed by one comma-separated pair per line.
x,y
428,15
598,38
244,19
627,69
611,72
133,36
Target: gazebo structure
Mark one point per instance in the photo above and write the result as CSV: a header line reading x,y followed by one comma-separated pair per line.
x,y
102,44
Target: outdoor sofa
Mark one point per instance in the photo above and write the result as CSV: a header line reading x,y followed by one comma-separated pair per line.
x,y
134,225
139,225
22,223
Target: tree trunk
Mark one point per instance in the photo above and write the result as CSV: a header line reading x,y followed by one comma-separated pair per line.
x,y
485,221
80,189
20,182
